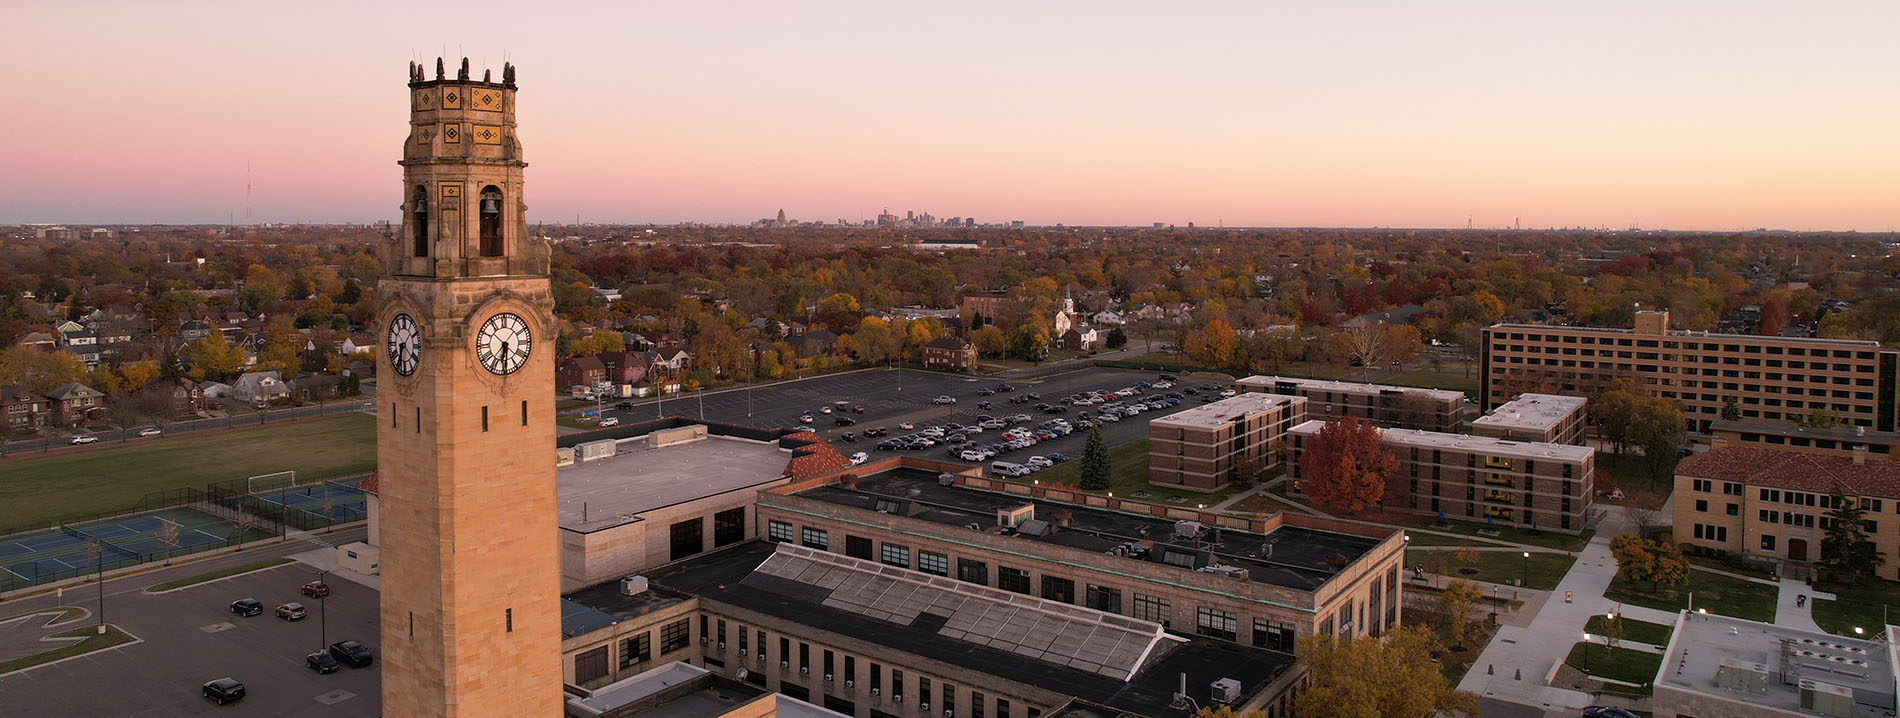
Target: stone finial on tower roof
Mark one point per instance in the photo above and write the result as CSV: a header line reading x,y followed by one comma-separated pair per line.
x,y
485,74
463,73
438,69
508,74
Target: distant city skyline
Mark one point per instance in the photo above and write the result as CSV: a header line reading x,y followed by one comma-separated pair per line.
x,y
1687,116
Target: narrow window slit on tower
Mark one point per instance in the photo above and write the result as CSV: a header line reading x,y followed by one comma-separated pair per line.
x,y
508,615
484,418
524,413
418,419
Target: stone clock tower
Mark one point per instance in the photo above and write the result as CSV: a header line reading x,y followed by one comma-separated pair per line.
x,y
471,620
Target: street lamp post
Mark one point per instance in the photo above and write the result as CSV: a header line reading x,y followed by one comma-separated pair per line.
x,y
1586,652
1527,569
323,617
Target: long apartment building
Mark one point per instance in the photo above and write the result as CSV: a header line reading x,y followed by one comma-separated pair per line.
x,y
1502,481
898,589
1771,505
1546,418
1773,379
1210,446
1390,406
1839,441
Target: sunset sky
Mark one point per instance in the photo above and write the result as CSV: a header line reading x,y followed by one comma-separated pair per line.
x,y
1684,115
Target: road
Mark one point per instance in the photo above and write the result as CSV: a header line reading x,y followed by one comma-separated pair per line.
x,y
118,435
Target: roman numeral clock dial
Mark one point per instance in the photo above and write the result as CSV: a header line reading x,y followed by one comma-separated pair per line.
x,y
503,344
405,344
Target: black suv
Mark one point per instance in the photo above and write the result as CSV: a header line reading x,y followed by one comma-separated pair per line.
x,y
321,662
844,421
224,690
352,653
247,607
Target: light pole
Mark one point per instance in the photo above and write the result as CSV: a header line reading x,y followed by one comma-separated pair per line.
x,y
99,549
1527,569
1586,652
323,616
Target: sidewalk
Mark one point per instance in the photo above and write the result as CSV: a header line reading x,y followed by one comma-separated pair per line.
x,y
1793,616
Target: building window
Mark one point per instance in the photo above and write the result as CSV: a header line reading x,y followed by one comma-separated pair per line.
x,y
1104,599
933,563
778,531
1701,505
688,538
1216,623
729,527
636,650
1734,509
1056,588
975,572
1272,635
858,547
1767,542
590,665
896,555
1011,579
817,538
674,636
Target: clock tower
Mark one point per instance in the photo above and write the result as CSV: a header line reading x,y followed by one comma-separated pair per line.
x,y
471,621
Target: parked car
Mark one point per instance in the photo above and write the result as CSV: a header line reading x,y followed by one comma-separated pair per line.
x,y
321,662
944,399
624,406
316,589
842,420
859,458
1040,462
223,690
986,391
1058,458
352,653
824,410
1005,387
151,431
1606,712
83,439
906,426
610,421
290,611
247,607
847,437
1004,468
805,419
857,409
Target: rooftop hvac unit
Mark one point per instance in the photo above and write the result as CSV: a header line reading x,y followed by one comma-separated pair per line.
x,y
1742,676
1226,690
1187,529
1827,699
596,450
633,585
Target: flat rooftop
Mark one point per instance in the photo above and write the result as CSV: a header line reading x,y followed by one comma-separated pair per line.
x,y
1703,642
1227,411
1533,450
1266,383
1532,411
1683,333
732,576
608,492
1293,557
1845,434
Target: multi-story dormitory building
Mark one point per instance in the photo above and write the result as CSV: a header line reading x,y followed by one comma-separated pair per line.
x,y
897,591
1210,446
1503,481
1771,505
1775,379
1544,418
1390,406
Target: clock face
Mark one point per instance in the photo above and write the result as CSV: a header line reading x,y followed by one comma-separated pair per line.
x,y
405,344
503,343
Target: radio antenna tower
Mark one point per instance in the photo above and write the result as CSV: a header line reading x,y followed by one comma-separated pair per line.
x,y
247,191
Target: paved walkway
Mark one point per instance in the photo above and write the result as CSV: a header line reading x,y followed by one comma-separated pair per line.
x,y
1793,616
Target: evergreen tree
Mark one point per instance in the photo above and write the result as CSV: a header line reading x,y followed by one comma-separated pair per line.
x,y
1117,338
1846,553
1731,411
1095,467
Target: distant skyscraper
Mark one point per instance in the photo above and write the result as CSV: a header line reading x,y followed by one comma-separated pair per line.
x,y
781,218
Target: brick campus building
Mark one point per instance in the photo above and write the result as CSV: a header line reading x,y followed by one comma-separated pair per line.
x,y
1207,447
1772,379
1393,406
897,590
1770,505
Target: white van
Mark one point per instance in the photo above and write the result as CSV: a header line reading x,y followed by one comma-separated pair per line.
x,y
1004,468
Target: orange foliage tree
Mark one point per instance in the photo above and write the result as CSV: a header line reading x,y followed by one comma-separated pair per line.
x,y
1344,467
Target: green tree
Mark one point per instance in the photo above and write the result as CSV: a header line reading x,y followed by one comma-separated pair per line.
x,y
1731,411
215,358
1454,611
1612,412
1823,419
1095,463
1345,466
1393,676
1657,426
1847,554
1117,338
1029,342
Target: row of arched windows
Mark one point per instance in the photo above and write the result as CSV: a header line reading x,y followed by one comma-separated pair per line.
x,y
488,210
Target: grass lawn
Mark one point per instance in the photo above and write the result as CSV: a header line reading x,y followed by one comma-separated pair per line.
x,y
1622,664
1724,565
1633,478
94,641
1450,379
1128,474
1717,593
1546,539
1263,503
1633,630
1865,605
1546,570
220,573
41,490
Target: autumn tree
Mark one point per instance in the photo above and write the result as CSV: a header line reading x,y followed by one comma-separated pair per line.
x,y
40,371
1096,469
1454,611
1657,426
215,358
138,373
1213,346
990,341
1030,342
1226,711
1646,560
1847,554
1392,676
1344,466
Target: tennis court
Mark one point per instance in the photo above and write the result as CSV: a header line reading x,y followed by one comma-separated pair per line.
x,y
38,556
335,502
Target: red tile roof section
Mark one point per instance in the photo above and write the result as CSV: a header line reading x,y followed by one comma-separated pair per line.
x,y
1801,471
814,457
368,484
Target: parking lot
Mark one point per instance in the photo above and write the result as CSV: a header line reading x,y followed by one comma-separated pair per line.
x,y
893,397
190,636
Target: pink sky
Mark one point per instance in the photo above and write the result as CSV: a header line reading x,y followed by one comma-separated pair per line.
x,y
1686,115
